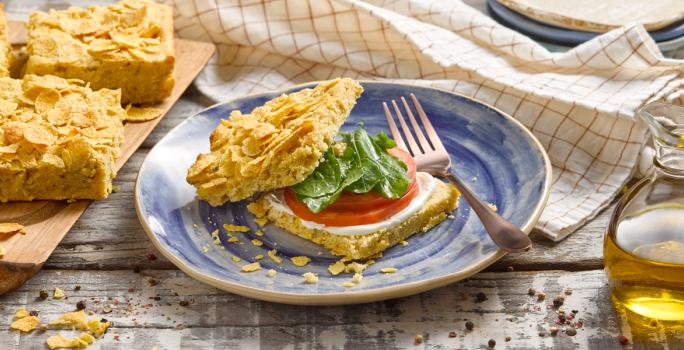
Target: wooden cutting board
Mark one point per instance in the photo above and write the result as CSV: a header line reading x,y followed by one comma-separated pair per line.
x,y
47,222
600,15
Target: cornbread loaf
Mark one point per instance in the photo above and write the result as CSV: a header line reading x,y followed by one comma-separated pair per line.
x,y
6,55
127,45
276,145
443,200
58,139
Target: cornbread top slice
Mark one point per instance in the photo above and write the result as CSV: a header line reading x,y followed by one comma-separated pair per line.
x,y
130,30
46,121
6,55
276,145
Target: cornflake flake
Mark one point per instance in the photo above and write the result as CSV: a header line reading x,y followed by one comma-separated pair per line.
x,y
235,228
251,267
300,260
142,114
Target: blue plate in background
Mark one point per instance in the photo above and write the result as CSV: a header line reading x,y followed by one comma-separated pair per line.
x,y
562,36
500,159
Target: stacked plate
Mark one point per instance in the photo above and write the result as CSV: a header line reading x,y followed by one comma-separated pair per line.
x,y
562,25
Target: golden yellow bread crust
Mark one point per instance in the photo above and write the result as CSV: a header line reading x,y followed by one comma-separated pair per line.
x,y
58,139
6,55
127,45
444,199
277,145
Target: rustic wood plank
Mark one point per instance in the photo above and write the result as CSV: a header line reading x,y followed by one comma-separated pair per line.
x,y
109,236
221,320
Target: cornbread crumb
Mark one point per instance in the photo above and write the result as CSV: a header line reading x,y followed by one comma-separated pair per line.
x,y
404,243
357,278
195,226
58,294
388,270
300,260
205,249
310,278
215,237
258,257
257,209
492,206
261,221
235,228
235,259
273,254
257,242
354,267
370,262
233,239
251,267
348,284
259,233
271,273
337,268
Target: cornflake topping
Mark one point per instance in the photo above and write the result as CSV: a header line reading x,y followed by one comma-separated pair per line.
x,y
119,30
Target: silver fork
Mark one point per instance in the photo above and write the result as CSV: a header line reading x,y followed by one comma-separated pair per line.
x,y
431,157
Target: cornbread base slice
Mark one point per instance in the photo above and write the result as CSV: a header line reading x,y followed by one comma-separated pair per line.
x,y
444,199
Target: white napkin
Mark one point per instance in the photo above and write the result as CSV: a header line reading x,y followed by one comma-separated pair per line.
x,y
580,104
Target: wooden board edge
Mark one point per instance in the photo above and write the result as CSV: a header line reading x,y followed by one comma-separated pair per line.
x,y
14,275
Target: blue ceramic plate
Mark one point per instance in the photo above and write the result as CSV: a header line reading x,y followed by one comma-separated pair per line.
x,y
501,160
563,36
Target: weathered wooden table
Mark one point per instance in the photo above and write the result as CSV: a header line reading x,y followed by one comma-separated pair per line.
x,y
109,256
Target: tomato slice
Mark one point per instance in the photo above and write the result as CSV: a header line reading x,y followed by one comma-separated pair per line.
x,y
353,209
351,217
363,201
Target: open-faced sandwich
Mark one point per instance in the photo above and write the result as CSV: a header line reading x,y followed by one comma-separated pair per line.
x,y
353,193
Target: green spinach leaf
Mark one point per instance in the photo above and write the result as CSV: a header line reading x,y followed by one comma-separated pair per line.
x,y
364,166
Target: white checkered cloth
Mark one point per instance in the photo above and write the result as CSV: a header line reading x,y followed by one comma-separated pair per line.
x,y
580,104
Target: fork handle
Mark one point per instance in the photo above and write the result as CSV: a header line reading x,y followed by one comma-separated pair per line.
x,y
506,235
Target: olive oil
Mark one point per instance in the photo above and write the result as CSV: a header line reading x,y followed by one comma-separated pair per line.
x,y
644,261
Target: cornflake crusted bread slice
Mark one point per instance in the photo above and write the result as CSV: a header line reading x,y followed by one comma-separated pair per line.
x,y
58,139
276,145
441,203
127,45
6,55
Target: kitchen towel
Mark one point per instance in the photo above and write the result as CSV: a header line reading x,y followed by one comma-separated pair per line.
x,y
581,104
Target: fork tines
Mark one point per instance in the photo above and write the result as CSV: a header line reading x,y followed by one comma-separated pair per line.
x,y
423,145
